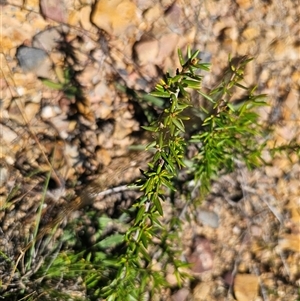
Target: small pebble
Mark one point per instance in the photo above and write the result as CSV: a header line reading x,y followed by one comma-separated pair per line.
x,y
49,112
209,218
29,58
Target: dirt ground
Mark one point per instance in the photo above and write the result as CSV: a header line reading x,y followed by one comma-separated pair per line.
x,y
243,241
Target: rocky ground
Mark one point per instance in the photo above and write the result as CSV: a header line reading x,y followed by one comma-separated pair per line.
x,y
244,240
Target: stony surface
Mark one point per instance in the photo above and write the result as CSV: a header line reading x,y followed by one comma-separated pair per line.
x,y
244,241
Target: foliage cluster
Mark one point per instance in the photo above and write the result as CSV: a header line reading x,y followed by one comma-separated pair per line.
x,y
228,132
121,266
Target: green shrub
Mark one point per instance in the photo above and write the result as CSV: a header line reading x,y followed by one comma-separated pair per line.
x,y
228,132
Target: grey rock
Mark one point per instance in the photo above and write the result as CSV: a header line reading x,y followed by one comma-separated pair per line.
x,y
208,218
35,60
30,58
